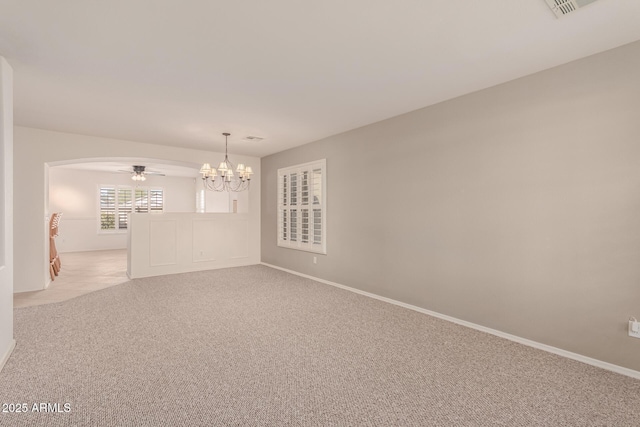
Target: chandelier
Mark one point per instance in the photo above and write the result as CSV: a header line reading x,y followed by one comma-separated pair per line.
x,y
227,177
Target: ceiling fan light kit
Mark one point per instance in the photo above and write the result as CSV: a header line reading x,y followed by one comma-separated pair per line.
x,y
138,173
227,177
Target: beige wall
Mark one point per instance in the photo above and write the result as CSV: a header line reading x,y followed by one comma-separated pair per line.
x,y
516,207
35,149
6,211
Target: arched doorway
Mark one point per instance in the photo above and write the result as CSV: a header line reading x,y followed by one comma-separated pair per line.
x,y
95,196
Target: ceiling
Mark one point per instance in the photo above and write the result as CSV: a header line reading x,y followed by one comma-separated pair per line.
x,y
290,71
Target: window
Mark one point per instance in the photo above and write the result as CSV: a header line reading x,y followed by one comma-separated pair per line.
x,y
116,202
302,214
108,208
125,205
156,201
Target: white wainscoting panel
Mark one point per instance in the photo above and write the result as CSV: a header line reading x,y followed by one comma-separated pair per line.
x,y
170,243
162,241
206,239
235,234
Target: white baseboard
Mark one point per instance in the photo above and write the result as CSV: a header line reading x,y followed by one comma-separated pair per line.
x,y
560,352
4,359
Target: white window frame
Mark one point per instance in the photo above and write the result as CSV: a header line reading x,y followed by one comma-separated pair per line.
x,y
117,229
299,206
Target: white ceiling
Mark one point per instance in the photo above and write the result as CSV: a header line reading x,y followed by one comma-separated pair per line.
x,y
291,71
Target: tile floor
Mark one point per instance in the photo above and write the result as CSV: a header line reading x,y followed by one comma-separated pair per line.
x,y
81,273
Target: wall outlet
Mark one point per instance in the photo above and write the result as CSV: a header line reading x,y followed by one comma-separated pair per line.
x,y
634,328
315,259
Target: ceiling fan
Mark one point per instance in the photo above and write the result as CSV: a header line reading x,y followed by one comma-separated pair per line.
x,y
139,172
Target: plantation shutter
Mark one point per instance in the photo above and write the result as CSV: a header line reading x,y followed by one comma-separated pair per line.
x,y
316,189
125,207
156,200
283,204
108,208
117,202
142,200
301,216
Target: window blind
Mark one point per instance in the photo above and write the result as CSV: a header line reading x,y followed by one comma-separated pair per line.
x,y
301,207
117,202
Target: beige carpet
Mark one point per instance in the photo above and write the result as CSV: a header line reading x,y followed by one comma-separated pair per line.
x,y
256,346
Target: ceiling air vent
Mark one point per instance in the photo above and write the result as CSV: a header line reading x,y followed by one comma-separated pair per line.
x,y
252,139
564,7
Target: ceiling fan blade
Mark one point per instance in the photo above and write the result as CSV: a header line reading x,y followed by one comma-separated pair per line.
x,y
141,171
